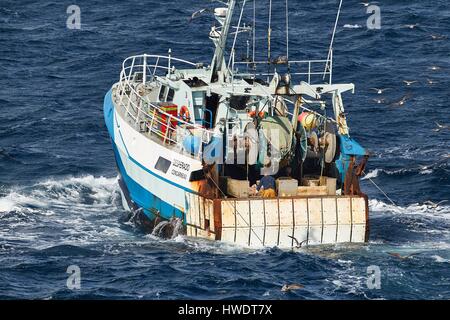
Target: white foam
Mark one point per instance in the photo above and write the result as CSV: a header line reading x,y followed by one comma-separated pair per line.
x,y
440,211
15,201
440,259
60,193
81,209
376,172
372,174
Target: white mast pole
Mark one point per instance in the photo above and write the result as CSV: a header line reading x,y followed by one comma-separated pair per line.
x,y
220,49
327,66
269,32
236,34
254,29
287,30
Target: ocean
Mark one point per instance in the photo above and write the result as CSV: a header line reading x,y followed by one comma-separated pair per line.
x,y
59,199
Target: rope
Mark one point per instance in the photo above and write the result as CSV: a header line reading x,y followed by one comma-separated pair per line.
x,y
384,193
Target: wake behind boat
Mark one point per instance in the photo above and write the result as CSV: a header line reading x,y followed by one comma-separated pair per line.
x,y
238,151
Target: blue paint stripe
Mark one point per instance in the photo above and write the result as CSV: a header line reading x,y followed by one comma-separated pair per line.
x,y
151,172
144,198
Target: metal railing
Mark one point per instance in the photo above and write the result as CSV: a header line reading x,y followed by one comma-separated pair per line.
x,y
306,70
137,79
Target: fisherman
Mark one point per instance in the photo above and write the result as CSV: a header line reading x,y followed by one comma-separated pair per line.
x,y
266,186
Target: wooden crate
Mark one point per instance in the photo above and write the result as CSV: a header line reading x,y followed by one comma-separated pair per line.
x,y
238,188
311,181
312,191
286,187
330,183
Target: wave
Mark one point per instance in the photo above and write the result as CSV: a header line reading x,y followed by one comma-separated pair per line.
x,y
439,259
429,210
53,193
73,210
423,170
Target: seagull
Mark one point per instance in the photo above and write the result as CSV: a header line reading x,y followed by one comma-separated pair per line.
x,y
366,4
409,83
402,101
289,287
280,60
298,244
380,91
379,101
198,13
438,37
440,127
433,205
431,81
434,68
410,26
397,255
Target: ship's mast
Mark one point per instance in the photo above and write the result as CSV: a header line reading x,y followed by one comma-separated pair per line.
x,y
218,61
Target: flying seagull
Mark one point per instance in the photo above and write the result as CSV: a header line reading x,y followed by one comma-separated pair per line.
x,y
380,91
410,26
198,13
409,83
431,81
379,101
397,255
440,127
297,243
438,37
401,102
366,4
433,205
289,287
434,68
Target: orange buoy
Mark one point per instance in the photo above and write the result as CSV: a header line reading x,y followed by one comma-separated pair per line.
x,y
252,114
308,120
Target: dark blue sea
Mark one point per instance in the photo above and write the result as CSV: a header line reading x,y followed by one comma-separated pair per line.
x,y
59,199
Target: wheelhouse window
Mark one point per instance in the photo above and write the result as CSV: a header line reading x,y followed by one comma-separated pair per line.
x,y
170,95
162,93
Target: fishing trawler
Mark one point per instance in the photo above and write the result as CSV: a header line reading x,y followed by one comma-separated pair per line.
x,y
193,143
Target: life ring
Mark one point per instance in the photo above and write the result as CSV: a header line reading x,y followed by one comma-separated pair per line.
x,y
184,114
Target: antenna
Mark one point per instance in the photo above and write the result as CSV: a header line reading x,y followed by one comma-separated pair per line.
x,y
269,33
287,31
254,29
330,50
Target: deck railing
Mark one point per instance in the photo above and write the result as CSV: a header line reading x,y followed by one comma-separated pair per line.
x,y
136,80
310,71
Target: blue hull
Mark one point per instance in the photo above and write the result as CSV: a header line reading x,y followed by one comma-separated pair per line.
x,y
139,199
